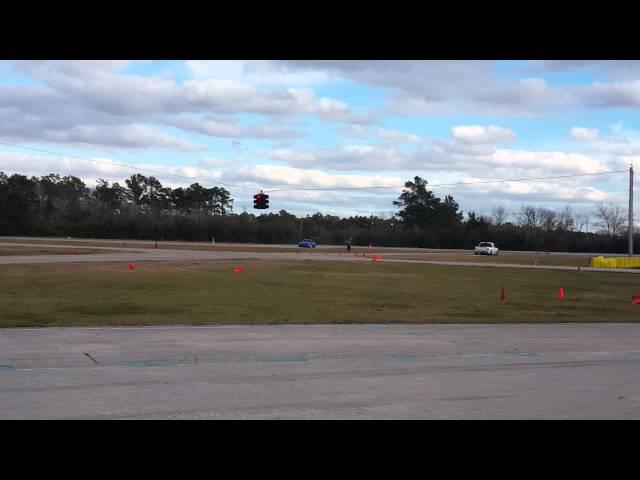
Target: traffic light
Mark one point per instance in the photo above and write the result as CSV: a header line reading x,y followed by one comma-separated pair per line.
x,y
261,201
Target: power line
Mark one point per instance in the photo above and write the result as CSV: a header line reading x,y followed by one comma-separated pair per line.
x,y
453,184
108,162
313,188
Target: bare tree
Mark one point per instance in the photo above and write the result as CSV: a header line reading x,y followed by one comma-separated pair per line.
x,y
610,218
547,218
528,216
499,215
582,221
565,218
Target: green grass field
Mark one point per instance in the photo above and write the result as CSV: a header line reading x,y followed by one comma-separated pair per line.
x,y
304,292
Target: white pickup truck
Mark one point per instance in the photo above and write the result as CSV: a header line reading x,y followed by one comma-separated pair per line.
x,y
486,248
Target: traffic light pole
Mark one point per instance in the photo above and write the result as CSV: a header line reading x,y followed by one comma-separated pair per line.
x,y
631,211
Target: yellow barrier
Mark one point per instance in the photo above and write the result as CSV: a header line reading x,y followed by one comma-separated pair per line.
x,y
615,262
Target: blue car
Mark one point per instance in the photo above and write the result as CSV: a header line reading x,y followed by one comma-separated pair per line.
x,y
307,243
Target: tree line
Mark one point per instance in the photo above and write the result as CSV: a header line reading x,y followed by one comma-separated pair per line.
x,y
142,208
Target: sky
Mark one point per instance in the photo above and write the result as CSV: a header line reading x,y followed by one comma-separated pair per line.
x,y
287,127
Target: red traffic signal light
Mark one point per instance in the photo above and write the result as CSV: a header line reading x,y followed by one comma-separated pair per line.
x,y
261,201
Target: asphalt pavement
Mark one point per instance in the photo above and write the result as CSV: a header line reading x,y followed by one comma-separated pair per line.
x,y
560,371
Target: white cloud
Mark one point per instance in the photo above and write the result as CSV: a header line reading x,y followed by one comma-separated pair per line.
x,y
231,128
427,86
325,108
551,162
584,134
38,165
349,157
102,87
209,163
82,97
123,136
101,167
552,194
100,106
257,73
575,191
442,156
624,94
420,87
398,136
478,135
620,148
273,175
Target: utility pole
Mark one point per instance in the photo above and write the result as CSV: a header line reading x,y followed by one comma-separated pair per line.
x,y
631,210
371,228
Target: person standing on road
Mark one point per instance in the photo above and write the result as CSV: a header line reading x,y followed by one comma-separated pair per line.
x,y
349,245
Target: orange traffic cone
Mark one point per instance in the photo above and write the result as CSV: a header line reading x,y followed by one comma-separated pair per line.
x,y
560,294
503,296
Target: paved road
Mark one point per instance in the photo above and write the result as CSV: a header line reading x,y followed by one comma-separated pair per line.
x,y
151,254
322,372
147,243
140,254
